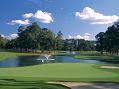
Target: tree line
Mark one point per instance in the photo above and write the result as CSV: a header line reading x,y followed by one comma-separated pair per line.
x,y
33,38
3,42
108,41
78,45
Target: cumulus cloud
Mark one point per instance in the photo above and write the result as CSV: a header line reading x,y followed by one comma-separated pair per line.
x,y
41,16
90,14
75,37
2,35
19,22
44,17
27,15
11,36
86,36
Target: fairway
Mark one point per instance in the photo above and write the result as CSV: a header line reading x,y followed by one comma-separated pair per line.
x,y
60,72
59,44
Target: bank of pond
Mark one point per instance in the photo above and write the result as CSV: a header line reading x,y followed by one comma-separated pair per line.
x,y
21,61
16,68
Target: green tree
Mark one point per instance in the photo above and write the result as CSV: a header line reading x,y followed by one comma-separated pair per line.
x,y
100,42
2,42
59,41
28,38
46,39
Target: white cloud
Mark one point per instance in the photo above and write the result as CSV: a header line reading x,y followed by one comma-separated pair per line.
x,y
41,16
2,35
75,37
20,22
27,15
11,36
96,18
44,17
86,36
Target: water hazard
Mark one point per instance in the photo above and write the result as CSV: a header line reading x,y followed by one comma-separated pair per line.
x,y
35,60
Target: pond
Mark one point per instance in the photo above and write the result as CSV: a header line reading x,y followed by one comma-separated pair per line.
x,y
34,60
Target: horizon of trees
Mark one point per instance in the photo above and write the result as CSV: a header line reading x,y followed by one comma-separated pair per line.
x,y
3,42
33,38
108,41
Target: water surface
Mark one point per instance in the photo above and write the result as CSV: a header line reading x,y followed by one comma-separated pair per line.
x,y
35,60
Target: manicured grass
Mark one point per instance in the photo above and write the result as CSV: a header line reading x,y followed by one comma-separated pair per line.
x,y
94,55
61,72
110,59
89,53
4,55
31,77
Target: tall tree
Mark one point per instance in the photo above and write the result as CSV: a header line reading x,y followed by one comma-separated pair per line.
x,y
46,39
2,42
100,42
109,41
59,41
28,38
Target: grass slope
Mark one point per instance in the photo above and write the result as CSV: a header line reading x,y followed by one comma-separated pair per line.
x,y
60,72
94,55
109,59
57,72
10,84
4,55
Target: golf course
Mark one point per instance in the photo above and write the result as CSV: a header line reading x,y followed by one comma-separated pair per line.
x,y
59,44
54,72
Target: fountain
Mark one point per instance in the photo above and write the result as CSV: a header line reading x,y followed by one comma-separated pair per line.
x,y
73,53
46,58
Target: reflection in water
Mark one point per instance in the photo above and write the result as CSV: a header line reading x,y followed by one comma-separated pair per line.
x,y
33,60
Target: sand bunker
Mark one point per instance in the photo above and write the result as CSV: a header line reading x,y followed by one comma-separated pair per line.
x,y
76,85
109,67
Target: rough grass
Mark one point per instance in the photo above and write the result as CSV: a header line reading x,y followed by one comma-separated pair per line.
x,y
12,84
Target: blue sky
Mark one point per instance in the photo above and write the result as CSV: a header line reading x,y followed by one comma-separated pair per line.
x,y
60,15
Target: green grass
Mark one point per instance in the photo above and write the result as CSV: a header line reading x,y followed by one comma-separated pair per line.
x,y
5,84
4,55
89,53
60,72
110,59
94,55
8,82
31,77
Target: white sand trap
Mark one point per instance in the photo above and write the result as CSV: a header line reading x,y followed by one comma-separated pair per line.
x,y
76,85
109,67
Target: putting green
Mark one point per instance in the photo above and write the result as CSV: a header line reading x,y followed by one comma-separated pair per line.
x,y
61,72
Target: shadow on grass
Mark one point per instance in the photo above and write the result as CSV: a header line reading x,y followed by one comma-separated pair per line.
x,y
14,84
